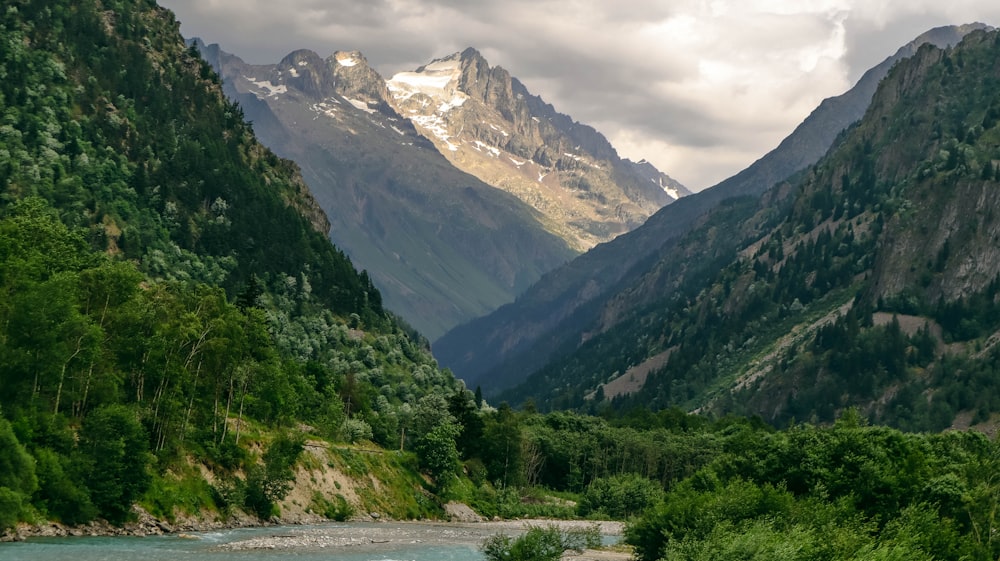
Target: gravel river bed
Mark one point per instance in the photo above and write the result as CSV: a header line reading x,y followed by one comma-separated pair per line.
x,y
350,541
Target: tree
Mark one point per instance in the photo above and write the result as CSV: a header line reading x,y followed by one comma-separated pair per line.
x,y
271,481
17,476
437,453
466,413
539,544
620,496
501,448
114,450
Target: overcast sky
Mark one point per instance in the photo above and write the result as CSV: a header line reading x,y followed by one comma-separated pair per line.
x,y
701,88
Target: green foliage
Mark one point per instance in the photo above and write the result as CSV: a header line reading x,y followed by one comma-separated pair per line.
x,y
17,467
338,509
11,507
268,483
437,453
539,544
148,314
501,447
114,451
180,493
619,497
63,493
17,477
845,492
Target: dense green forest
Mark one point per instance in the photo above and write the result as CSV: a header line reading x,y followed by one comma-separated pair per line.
x,y
694,488
167,285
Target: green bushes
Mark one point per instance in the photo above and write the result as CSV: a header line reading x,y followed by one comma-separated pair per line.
x,y
17,476
147,313
268,483
338,509
114,448
842,492
619,497
540,544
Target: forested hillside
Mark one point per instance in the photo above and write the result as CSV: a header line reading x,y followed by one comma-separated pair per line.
x,y
168,296
869,281
592,293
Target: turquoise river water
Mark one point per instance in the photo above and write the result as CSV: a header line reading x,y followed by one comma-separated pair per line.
x,y
393,542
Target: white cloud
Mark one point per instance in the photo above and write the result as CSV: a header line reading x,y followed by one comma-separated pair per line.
x,y
701,88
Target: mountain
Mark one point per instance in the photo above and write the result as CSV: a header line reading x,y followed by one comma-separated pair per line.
x,y
448,229
869,281
173,315
588,295
487,123
441,245
673,188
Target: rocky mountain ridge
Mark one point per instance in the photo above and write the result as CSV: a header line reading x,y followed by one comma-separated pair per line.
x,y
487,123
441,245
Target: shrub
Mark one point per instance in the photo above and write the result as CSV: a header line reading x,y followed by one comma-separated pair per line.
x,y
619,496
338,509
539,544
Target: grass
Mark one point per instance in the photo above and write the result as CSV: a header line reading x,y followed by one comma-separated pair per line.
x,y
181,492
338,509
386,482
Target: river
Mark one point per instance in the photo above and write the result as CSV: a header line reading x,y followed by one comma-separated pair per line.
x,y
383,541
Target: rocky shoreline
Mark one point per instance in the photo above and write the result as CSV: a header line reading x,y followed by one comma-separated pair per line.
x,y
146,524
368,533
389,535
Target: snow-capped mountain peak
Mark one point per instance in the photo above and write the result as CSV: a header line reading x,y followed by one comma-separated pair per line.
x,y
488,124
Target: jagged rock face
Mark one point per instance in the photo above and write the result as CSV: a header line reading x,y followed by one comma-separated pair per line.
x,y
488,124
671,186
306,72
441,245
357,81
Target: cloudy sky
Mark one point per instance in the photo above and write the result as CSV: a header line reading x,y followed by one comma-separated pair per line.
x,y
701,88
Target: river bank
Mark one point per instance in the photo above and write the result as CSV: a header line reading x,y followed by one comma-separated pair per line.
x,y
361,536
144,525
356,538
147,525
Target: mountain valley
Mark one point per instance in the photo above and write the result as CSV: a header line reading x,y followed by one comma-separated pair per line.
x,y
592,293
799,363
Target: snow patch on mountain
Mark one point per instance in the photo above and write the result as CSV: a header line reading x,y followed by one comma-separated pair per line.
x,y
357,103
492,150
500,130
324,108
267,88
437,80
435,125
667,188
346,60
